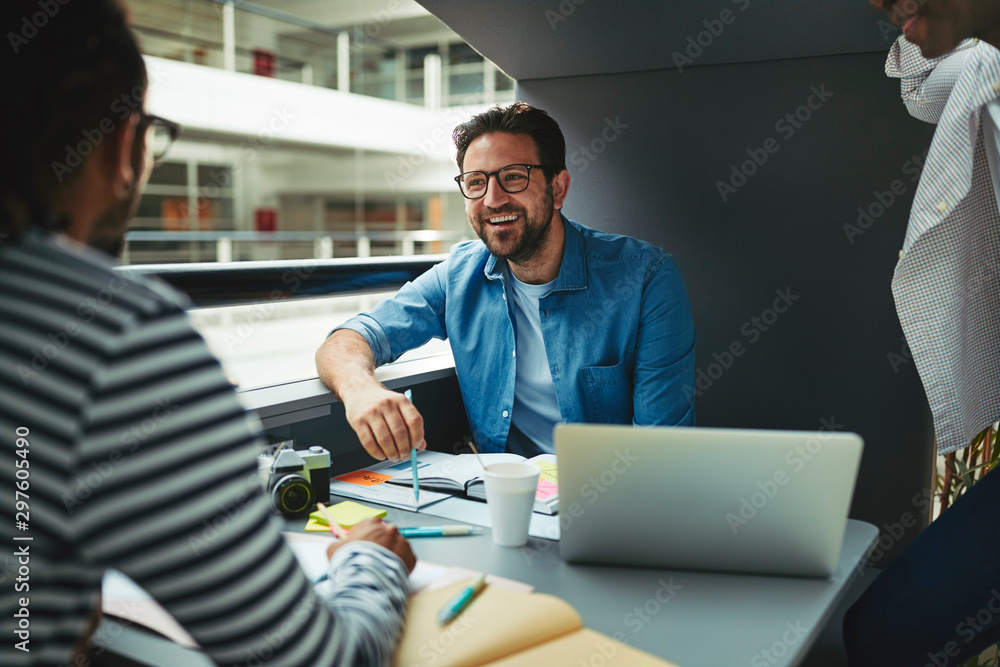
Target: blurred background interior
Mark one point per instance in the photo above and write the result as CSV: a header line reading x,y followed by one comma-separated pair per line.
x,y
311,130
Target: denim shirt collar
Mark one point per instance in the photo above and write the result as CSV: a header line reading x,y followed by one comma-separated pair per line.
x,y
572,270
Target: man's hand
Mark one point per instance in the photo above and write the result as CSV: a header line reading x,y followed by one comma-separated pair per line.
x,y
386,422
373,530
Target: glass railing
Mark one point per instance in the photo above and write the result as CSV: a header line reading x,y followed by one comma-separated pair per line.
x,y
352,57
265,320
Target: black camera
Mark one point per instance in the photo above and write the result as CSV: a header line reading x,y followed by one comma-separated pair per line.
x,y
299,480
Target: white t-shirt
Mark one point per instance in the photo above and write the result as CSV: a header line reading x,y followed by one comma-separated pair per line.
x,y
536,410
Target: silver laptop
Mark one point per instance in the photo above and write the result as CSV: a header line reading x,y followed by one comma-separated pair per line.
x,y
773,502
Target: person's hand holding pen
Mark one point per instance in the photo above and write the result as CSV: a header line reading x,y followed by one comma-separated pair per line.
x,y
385,535
387,424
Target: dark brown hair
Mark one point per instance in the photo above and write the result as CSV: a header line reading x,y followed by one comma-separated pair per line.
x,y
70,74
517,118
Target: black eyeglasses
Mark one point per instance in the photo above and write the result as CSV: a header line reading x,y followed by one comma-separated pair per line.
x,y
165,133
512,179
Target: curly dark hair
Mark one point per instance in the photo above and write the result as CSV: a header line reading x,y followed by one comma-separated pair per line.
x,y
517,118
71,73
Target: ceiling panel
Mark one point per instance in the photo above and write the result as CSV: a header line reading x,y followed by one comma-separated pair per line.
x,y
553,38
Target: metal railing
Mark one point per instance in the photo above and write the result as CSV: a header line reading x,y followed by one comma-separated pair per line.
x,y
323,241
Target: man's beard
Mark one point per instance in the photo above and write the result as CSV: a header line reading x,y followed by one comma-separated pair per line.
x,y
108,233
534,232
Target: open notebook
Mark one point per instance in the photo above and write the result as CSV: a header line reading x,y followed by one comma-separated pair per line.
x,y
123,598
505,628
462,474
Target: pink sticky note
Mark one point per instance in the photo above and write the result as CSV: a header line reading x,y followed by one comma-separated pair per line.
x,y
546,489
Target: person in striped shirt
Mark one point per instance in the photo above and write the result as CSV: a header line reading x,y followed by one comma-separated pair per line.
x,y
123,445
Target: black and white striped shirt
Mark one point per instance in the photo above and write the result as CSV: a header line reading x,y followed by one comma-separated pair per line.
x,y
138,456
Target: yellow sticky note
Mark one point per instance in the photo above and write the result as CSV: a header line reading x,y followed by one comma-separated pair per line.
x,y
314,526
549,473
346,514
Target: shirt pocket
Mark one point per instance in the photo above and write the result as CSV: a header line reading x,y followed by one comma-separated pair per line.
x,y
608,391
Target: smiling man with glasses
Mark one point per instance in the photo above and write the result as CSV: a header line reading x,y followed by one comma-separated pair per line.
x,y
548,320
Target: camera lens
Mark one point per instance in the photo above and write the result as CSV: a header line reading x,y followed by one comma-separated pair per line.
x,y
293,496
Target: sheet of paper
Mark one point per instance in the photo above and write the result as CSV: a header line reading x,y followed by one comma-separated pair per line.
x,y
387,494
397,468
432,577
403,466
122,597
477,513
312,558
117,586
311,554
291,538
462,467
425,575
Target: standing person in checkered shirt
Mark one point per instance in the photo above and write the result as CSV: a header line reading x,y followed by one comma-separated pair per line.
x,y
938,603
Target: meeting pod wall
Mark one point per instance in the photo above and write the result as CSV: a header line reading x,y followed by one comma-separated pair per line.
x,y
763,146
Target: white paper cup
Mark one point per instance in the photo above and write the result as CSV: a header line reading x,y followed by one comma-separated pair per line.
x,y
510,495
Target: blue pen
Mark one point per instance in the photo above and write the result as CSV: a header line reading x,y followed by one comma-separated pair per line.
x,y
413,459
439,531
461,601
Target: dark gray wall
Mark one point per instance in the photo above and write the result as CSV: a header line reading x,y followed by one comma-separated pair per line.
x,y
609,69
826,360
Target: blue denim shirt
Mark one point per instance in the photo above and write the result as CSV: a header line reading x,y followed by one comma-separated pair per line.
x,y
617,326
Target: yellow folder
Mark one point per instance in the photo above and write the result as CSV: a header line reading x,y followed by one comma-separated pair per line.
x,y
504,628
